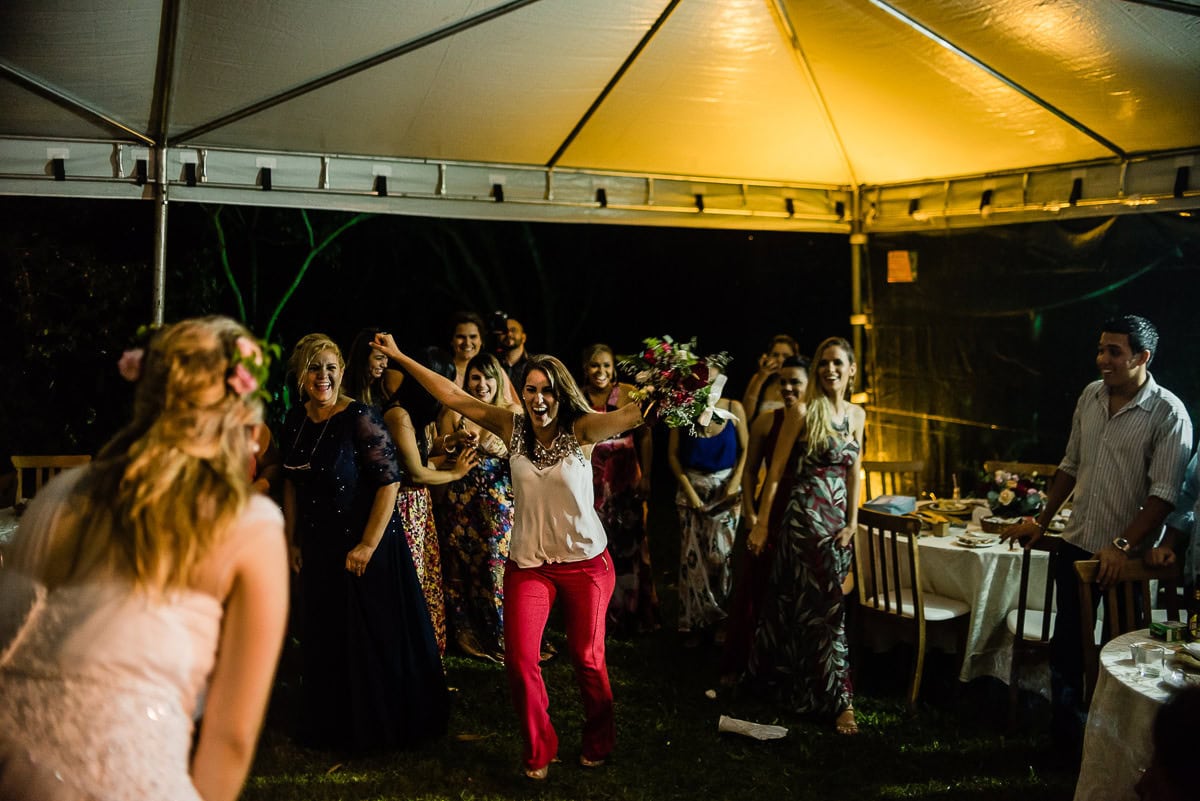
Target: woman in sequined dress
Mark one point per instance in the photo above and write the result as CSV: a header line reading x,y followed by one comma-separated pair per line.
x,y
407,412
372,676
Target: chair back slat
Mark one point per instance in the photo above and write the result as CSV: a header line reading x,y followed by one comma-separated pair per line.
x,y
1121,613
43,469
892,478
1022,468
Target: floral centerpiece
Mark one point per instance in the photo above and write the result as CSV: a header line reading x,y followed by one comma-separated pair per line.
x,y
673,384
1014,495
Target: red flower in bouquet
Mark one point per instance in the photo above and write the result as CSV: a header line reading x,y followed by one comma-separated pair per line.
x,y
671,375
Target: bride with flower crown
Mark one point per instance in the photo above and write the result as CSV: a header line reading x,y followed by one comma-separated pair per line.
x,y
141,582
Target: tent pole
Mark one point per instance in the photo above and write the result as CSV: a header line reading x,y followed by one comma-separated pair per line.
x,y
858,242
160,235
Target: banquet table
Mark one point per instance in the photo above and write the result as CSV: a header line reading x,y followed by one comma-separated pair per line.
x,y
988,580
1116,742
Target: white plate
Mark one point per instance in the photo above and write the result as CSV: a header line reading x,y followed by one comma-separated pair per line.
x,y
968,541
949,507
1192,648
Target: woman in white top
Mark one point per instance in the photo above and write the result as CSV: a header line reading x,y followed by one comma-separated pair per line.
x,y
558,545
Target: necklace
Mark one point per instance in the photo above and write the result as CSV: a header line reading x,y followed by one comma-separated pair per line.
x,y
308,462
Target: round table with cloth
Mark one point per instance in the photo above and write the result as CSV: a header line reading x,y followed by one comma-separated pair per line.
x,y
1116,743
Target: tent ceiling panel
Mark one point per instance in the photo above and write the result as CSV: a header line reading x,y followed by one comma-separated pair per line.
x,y
907,107
29,114
745,109
703,110
486,94
103,53
236,54
1127,71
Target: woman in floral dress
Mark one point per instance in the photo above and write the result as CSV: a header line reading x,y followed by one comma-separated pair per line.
x,y
476,518
800,644
621,482
708,466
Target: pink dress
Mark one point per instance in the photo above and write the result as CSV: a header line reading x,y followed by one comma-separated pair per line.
x,y
100,685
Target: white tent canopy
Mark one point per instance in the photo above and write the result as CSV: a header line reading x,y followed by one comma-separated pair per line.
x,y
818,115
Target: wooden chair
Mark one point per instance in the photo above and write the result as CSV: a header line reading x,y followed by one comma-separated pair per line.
x,y
892,478
1022,468
888,574
1031,629
1121,612
43,468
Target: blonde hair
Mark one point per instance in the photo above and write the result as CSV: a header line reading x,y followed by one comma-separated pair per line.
x,y
818,414
161,493
305,353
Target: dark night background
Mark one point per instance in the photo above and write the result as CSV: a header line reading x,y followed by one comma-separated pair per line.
x,y
982,357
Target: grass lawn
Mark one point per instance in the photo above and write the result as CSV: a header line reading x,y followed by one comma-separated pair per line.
x,y
667,741
668,746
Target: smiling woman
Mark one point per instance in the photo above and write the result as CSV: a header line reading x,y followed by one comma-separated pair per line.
x,y
558,544
475,517
372,677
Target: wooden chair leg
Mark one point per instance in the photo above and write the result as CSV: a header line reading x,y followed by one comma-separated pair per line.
x,y
914,687
1013,694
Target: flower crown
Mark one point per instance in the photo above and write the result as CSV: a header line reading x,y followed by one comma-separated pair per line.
x,y
249,365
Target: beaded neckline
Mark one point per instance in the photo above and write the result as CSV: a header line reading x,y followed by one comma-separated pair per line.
x,y
564,445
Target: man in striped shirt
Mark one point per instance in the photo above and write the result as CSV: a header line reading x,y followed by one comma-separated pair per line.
x,y
1130,441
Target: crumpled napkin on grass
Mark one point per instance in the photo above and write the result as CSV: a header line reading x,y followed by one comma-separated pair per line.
x,y
759,731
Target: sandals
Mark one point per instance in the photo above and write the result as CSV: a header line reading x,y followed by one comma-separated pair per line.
x,y
590,763
539,774
845,723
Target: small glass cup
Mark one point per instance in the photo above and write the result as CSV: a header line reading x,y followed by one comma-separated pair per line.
x,y
1148,658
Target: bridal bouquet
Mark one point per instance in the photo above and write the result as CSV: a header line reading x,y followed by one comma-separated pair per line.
x,y
680,387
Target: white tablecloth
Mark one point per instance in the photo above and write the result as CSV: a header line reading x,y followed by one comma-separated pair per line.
x,y
989,581
1116,743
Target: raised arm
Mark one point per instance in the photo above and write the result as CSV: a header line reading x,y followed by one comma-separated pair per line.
x,y
497,419
604,425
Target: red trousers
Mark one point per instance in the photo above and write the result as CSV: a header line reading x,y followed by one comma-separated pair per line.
x,y
529,594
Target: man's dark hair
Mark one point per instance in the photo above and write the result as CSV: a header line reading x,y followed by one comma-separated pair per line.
x,y
796,361
1141,332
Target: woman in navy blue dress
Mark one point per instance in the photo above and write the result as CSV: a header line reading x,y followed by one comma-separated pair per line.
x,y
372,677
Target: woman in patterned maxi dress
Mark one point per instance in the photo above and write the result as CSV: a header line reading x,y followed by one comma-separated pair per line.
x,y
800,644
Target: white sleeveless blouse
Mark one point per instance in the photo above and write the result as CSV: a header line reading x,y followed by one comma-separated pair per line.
x,y
554,511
